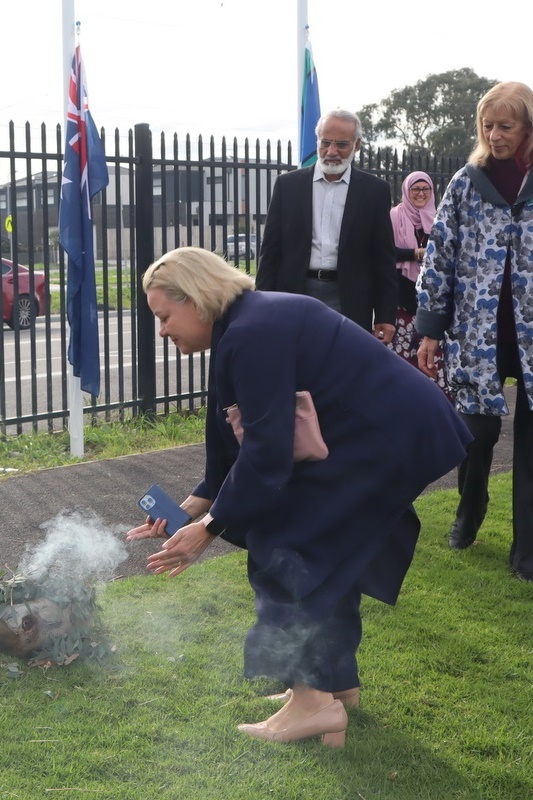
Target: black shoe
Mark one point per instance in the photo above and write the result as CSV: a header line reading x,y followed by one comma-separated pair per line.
x,y
525,577
458,539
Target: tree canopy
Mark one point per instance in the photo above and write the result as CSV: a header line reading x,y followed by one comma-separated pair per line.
x,y
437,115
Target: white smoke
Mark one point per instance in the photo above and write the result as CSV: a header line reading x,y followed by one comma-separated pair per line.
x,y
78,549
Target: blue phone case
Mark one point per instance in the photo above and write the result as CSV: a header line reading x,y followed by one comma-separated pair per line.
x,y
158,505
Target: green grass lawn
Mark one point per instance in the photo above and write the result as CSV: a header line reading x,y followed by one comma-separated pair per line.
x,y
446,698
38,450
112,287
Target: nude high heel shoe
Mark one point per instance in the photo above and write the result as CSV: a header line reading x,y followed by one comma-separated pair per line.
x,y
349,697
329,723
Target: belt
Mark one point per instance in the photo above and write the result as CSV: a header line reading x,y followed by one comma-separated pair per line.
x,y
322,274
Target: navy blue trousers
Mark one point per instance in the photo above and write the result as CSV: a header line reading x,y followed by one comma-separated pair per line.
x,y
311,640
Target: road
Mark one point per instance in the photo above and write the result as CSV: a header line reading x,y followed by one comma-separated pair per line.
x,y
35,368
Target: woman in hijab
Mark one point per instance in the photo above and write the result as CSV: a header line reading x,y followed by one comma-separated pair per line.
x,y
412,219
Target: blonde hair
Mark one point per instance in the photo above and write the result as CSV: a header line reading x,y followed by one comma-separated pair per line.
x,y
192,273
514,98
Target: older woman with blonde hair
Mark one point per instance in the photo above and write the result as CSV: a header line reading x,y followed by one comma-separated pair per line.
x,y
322,522
476,294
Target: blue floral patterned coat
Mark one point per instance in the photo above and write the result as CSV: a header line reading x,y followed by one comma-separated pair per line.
x,y
461,279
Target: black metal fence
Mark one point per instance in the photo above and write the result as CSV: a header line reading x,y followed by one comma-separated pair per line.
x,y
161,194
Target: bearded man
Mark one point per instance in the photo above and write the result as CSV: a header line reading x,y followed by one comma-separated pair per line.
x,y
328,232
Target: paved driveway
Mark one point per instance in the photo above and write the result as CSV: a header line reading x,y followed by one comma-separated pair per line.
x,y
111,489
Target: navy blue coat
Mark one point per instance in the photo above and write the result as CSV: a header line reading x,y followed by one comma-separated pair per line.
x,y
390,432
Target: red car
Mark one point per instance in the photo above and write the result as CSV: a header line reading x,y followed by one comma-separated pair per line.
x,y
24,305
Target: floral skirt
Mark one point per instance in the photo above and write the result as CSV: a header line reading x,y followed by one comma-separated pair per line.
x,y
406,342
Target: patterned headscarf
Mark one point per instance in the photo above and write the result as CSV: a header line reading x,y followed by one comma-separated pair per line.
x,y
406,219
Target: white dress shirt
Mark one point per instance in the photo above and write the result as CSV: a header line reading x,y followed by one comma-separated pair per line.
x,y
329,199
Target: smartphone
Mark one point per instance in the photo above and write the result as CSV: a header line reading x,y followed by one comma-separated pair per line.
x,y
158,505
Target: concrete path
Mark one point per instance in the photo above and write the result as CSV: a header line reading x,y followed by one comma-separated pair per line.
x,y
111,489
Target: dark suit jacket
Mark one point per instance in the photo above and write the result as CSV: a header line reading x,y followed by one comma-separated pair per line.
x,y
367,274
390,432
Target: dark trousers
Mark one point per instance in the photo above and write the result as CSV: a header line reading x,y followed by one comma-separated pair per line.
x,y
474,472
327,291
311,640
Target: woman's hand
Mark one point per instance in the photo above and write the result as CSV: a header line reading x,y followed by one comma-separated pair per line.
x,y
150,530
181,550
426,356
194,506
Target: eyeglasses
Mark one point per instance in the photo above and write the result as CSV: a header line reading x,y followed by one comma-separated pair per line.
x,y
326,144
418,190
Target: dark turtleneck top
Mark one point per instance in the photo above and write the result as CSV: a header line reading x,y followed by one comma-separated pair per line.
x,y
506,176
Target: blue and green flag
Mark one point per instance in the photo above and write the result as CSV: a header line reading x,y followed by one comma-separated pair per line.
x,y
310,111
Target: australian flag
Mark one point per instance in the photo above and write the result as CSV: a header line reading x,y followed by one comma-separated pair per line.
x,y
310,111
84,175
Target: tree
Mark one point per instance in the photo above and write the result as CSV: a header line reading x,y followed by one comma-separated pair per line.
x,y
436,115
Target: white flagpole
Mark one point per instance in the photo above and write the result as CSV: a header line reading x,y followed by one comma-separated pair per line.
x,y
75,422
301,34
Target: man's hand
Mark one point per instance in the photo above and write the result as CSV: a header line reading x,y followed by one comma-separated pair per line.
x,y
384,332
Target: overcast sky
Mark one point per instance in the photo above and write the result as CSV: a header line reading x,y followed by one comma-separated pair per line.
x,y
229,67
